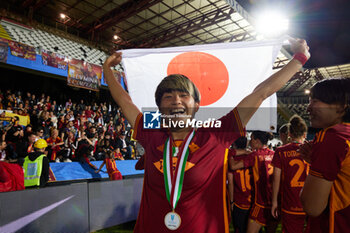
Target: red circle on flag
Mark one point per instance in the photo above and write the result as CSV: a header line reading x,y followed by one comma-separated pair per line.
x,y
206,71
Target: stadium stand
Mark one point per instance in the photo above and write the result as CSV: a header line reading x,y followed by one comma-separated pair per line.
x,y
43,40
94,205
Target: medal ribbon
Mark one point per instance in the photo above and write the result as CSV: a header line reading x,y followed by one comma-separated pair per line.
x,y
174,181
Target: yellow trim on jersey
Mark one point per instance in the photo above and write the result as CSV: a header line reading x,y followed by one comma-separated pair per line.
x,y
292,212
243,208
339,198
323,134
256,178
262,224
255,211
224,193
239,122
317,174
261,206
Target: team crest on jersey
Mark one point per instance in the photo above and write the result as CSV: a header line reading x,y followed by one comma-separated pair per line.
x,y
159,165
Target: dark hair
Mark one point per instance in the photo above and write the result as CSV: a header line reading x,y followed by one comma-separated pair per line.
x,y
241,143
176,82
39,129
30,134
109,154
297,126
262,136
10,152
284,129
333,91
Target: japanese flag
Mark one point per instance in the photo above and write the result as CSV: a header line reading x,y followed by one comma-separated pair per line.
x,y
224,74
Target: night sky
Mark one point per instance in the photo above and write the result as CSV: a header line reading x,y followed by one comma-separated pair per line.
x,y
325,24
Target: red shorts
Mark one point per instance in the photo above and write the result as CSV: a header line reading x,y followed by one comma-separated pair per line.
x,y
115,176
292,223
261,215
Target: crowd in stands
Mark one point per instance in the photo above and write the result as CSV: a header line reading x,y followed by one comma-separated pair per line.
x,y
74,131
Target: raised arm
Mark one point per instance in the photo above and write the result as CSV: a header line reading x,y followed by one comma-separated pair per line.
x,y
120,96
248,106
239,164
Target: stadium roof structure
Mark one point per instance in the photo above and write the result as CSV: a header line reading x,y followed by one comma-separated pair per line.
x,y
146,23
307,78
158,23
151,23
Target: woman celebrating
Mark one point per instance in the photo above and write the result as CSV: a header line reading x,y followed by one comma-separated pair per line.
x,y
289,166
185,168
325,195
113,172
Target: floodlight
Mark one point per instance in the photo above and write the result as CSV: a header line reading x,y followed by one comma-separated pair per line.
x,y
272,23
63,16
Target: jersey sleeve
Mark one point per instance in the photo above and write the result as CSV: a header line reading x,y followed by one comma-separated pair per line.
x,y
140,165
276,161
327,156
231,153
140,134
248,160
231,128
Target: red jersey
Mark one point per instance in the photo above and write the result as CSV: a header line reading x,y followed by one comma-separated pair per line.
x,y
202,205
260,161
57,140
242,188
111,166
331,161
11,177
88,113
294,171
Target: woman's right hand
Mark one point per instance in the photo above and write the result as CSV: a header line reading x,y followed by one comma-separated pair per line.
x,y
299,46
274,210
113,60
305,151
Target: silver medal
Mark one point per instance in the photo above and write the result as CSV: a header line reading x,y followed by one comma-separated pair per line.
x,y
172,220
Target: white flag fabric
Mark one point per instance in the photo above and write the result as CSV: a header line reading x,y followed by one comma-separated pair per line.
x,y
224,74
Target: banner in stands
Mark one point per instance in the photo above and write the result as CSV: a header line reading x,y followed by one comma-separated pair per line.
x,y
22,50
54,60
84,75
23,120
77,170
3,51
120,76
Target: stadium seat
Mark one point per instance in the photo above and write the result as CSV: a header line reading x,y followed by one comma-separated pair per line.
x,y
38,38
